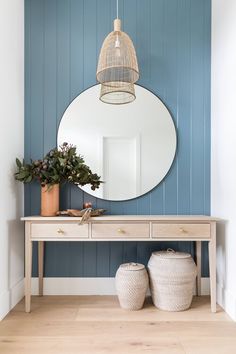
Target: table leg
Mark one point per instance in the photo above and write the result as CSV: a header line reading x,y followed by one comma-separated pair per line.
x,y
40,266
199,266
212,265
28,267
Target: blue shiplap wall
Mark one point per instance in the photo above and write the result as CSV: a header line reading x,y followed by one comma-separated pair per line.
x,y
172,39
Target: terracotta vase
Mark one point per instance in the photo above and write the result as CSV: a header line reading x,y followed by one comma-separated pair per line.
x,y
50,200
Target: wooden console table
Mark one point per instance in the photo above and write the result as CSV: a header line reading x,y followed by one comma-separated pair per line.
x,y
120,228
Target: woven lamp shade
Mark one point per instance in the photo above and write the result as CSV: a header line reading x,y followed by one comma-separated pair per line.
x,y
120,94
117,64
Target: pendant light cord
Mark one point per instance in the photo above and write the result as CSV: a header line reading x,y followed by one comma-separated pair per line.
x,y
117,8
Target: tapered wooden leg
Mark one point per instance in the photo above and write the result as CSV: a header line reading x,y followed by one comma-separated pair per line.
x,y
199,266
28,266
212,265
40,266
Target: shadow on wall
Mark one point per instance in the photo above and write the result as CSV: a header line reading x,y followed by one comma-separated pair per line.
x,y
15,261
221,247
15,238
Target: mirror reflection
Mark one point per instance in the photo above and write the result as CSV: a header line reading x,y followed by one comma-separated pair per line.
x,y
130,146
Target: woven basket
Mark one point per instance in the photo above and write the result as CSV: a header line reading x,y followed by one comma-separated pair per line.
x,y
117,63
172,276
131,285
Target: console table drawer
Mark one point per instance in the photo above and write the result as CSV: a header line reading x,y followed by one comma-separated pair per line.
x,y
59,230
160,230
120,230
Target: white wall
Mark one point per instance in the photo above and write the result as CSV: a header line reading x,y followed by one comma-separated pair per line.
x,y
12,145
224,147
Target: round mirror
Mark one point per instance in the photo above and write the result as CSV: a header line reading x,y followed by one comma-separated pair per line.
x,y
131,146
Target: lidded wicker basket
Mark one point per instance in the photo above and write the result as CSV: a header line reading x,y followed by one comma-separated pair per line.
x,y
131,285
172,277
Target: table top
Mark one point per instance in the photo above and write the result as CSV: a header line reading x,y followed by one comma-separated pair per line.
x,y
199,218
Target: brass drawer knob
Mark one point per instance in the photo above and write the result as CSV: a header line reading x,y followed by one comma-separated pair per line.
x,y
121,231
60,231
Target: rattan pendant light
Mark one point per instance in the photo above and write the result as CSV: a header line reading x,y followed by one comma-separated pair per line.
x,y
117,61
117,68
117,95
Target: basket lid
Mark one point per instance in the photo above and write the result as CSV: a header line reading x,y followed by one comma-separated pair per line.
x,y
132,266
169,253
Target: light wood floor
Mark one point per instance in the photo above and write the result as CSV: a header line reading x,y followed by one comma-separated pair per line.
x,y
96,324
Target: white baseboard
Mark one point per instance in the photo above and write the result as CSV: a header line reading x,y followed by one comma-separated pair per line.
x,y
227,300
9,298
75,286
205,286
88,286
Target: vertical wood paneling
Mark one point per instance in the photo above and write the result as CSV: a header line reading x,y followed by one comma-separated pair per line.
x,y
50,76
90,62
207,126
156,82
63,96
130,206
197,106
129,25
76,48
170,94
63,73
76,80
172,38
143,53
116,256
27,121
90,42
76,252
36,92
37,79
183,109
104,26
130,252
207,107
63,56
183,113
103,259
36,99
143,40
90,259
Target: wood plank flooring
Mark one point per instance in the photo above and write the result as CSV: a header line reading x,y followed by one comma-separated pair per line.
x,y
96,324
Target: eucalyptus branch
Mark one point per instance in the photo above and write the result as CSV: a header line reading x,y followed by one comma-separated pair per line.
x,y
58,166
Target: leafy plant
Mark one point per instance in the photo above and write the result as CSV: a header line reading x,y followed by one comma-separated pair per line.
x,y
58,166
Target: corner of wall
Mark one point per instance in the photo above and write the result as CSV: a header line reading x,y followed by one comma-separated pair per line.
x,y
227,300
9,298
12,139
223,147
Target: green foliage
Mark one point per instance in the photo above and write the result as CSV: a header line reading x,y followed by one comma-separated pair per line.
x,y
58,166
